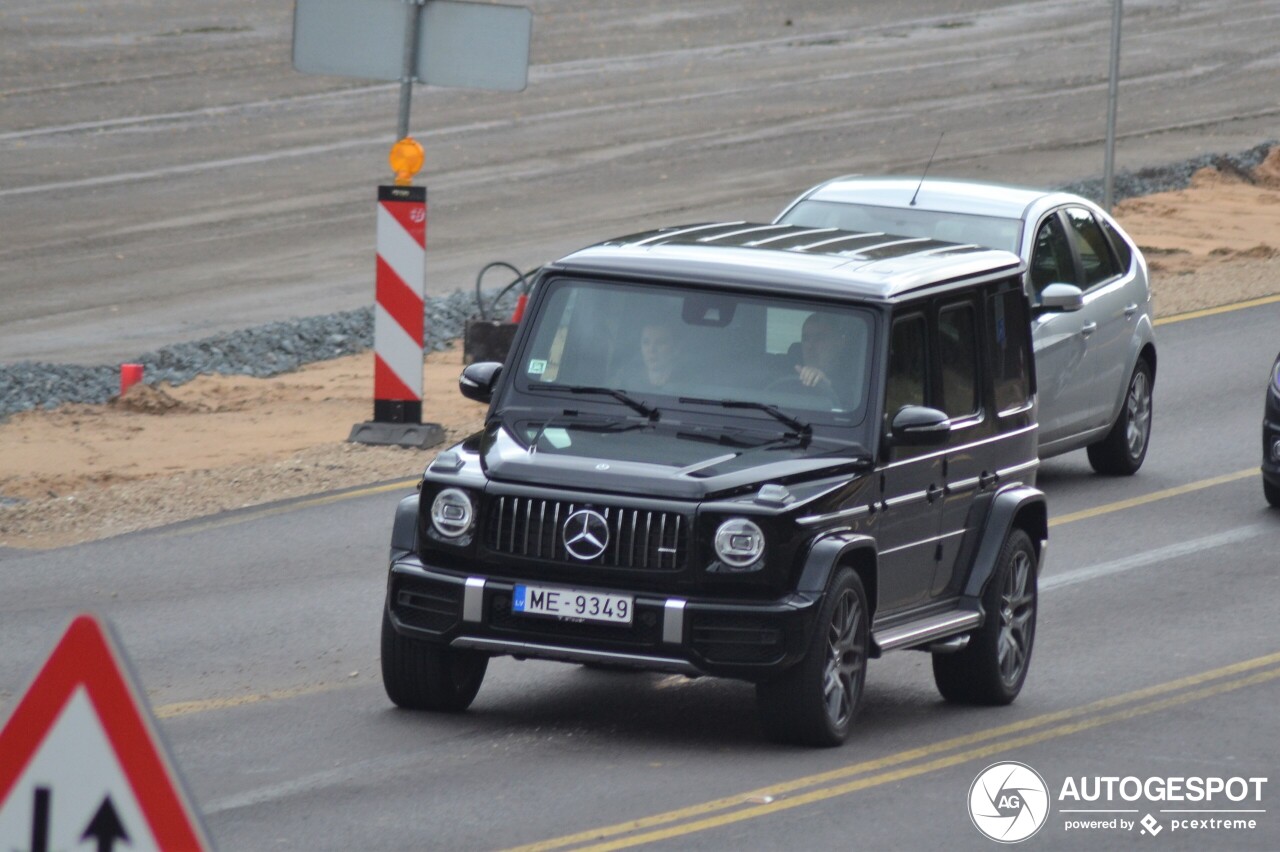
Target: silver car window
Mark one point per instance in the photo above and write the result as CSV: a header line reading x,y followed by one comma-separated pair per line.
x,y
1097,262
1051,261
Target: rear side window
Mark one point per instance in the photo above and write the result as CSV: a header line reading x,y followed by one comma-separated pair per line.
x,y
1095,251
1124,253
957,343
1011,355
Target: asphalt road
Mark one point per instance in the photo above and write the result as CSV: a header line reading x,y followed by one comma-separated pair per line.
x,y
255,635
165,174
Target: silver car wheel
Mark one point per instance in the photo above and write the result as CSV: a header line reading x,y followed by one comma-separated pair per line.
x,y
1017,606
1138,406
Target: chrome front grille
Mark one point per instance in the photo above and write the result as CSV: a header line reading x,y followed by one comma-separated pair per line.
x,y
639,539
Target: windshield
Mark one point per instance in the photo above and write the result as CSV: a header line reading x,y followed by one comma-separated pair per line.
x,y
986,231
682,348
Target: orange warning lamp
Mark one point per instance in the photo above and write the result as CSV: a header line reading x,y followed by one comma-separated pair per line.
x,y
406,160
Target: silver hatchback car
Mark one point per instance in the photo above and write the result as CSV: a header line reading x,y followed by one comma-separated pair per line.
x,y
1086,280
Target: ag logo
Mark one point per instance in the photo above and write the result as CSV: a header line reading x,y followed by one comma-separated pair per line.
x,y
586,534
1008,802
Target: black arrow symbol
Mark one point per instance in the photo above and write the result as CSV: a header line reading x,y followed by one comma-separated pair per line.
x,y
106,827
40,820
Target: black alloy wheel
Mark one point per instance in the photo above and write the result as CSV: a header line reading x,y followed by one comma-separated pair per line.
x,y
993,666
815,702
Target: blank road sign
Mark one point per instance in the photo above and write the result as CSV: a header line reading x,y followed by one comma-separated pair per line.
x,y
461,45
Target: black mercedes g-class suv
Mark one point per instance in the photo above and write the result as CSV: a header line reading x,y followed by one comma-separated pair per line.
x,y
765,452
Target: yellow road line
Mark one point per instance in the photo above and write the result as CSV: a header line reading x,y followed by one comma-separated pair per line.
x,y
934,765
1176,491
907,756
185,708
1221,309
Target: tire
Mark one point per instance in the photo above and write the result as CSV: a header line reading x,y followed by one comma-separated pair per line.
x,y
419,675
1121,453
1272,492
815,701
993,666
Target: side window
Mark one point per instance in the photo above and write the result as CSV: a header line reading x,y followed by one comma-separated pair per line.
x,y
1051,261
958,351
1095,252
908,364
1124,252
1011,350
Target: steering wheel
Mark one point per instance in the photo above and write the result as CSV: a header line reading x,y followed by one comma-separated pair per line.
x,y
792,384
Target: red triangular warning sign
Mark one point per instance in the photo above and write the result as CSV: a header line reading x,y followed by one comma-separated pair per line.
x,y
81,758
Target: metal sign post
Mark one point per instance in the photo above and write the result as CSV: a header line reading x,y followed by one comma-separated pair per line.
x,y
412,14
443,43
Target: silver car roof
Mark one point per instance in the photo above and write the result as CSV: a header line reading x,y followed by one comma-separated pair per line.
x,y
940,194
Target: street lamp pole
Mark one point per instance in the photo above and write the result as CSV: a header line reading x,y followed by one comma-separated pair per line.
x,y
1113,88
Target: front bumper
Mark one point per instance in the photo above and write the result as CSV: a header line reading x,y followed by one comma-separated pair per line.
x,y
738,639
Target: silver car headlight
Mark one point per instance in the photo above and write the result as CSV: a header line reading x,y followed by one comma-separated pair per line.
x,y
740,544
452,514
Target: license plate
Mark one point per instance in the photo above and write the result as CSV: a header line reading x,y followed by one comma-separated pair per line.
x,y
573,604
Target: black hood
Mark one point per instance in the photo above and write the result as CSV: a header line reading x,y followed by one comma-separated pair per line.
x,y
680,461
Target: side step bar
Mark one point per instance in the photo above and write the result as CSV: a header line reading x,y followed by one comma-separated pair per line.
x,y
926,630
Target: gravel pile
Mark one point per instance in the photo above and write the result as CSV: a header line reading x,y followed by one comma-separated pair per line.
x,y
280,347
1171,177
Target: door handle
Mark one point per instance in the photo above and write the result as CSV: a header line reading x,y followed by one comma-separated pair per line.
x,y
1088,328
986,480
1131,310
932,493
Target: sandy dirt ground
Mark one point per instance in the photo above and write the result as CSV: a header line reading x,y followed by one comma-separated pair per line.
x,y
164,454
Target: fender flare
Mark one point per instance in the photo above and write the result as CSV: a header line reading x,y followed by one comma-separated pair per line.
x,y
1013,506
1142,346
404,530
831,550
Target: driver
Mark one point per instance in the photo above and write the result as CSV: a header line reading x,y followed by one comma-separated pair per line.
x,y
821,346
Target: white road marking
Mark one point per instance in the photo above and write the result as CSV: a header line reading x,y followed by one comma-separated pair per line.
x,y
1160,554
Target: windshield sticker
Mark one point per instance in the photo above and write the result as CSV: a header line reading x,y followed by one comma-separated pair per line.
x,y
556,437
537,367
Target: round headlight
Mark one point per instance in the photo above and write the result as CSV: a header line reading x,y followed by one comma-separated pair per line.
x,y
451,513
739,543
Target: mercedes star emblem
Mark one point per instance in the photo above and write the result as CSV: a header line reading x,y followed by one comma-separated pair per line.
x,y
586,534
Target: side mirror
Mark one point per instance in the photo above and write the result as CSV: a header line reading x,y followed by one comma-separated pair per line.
x,y
918,426
1061,297
477,380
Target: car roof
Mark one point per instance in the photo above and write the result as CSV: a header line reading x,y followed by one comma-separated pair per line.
x,y
817,261
939,194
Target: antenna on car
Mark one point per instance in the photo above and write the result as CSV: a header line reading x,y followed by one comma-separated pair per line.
x,y
926,169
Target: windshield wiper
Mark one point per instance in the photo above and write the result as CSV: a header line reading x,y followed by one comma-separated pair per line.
x,y
799,425
626,399
568,416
